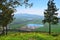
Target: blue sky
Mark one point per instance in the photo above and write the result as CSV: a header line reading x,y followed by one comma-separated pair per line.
x,y
38,7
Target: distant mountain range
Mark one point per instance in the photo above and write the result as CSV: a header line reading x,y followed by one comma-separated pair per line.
x,y
27,16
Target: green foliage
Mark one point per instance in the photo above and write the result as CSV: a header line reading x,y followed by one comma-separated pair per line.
x,y
8,8
50,14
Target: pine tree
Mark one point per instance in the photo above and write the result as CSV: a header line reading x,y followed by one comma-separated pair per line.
x,y
50,15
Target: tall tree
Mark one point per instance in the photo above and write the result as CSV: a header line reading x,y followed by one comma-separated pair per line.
x,y
7,18
7,8
50,14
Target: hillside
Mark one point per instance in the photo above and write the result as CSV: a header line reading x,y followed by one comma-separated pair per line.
x,y
24,19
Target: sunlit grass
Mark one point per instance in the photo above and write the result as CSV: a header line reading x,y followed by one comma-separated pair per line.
x,y
27,36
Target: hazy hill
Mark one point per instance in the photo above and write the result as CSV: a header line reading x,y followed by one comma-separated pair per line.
x,y
23,19
27,16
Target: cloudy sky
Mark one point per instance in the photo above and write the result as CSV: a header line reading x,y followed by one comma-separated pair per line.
x,y
38,7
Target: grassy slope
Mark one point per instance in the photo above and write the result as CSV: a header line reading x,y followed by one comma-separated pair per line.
x,y
28,36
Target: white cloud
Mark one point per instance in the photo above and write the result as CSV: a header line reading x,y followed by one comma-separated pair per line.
x,y
31,11
58,13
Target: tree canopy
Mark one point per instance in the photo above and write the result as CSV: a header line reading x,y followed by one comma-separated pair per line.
x,y
50,14
7,8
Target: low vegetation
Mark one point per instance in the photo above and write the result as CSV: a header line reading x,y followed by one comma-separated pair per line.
x,y
28,36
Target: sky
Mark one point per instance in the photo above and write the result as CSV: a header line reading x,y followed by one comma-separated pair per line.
x,y
38,7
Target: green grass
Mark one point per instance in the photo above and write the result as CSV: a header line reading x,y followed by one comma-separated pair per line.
x,y
27,36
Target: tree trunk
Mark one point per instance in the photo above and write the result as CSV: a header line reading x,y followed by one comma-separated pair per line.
x,y
6,30
3,30
49,28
